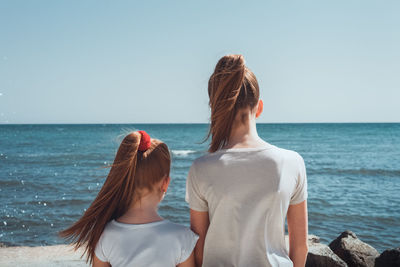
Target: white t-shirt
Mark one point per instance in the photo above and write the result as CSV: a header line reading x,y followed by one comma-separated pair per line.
x,y
247,192
155,244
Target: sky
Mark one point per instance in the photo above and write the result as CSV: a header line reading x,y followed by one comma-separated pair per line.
x,y
150,61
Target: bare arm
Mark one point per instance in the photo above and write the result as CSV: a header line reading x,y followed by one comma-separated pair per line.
x,y
199,222
189,262
297,220
98,263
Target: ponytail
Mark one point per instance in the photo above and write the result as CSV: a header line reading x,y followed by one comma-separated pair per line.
x,y
231,87
132,171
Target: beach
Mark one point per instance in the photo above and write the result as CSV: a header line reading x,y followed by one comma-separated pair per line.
x,y
44,256
346,250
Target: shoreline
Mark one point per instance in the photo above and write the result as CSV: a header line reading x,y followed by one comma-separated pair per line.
x,y
345,250
54,255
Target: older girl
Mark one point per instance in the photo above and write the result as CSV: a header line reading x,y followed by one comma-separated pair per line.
x,y
241,191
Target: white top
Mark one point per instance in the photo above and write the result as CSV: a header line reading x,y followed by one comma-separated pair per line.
x,y
247,192
161,243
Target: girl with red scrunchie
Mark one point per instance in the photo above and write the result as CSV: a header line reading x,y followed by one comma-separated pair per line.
x,y
122,227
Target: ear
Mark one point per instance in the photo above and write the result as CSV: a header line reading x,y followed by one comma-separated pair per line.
x,y
165,184
260,108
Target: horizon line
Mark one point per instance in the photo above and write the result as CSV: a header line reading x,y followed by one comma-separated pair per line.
x,y
193,123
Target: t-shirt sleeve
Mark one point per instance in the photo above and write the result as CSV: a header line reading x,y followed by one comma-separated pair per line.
x,y
193,194
189,240
300,192
98,251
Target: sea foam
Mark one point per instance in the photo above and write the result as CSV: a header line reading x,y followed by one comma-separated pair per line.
x,y
182,153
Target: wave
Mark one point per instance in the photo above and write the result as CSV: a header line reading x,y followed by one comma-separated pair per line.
x,y
58,202
182,153
10,183
362,171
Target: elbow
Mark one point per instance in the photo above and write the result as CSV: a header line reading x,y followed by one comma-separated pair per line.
x,y
304,248
301,246
299,249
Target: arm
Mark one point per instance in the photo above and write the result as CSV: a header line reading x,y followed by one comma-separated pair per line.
x,y
297,221
199,222
98,263
189,262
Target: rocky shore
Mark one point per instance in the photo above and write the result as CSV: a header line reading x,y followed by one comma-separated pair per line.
x,y
348,250
345,250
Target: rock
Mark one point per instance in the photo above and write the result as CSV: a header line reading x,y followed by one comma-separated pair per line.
x,y
353,251
313,239
320,255
389,258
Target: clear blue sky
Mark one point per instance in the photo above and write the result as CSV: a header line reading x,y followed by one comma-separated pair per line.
x,y
149,61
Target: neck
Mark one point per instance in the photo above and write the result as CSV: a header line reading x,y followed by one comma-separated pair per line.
x,y
143,211
244,132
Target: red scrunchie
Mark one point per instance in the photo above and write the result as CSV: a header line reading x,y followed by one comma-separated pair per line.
x,y
145,141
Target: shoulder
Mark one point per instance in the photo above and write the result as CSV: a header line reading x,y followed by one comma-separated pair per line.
x,y
105,242
111,228
288,157
206,159
181,232
175,227
112,232
203,162
287,154
184,239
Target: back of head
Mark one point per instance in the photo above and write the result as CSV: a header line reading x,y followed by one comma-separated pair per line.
x,y
231,87
133,172
140,170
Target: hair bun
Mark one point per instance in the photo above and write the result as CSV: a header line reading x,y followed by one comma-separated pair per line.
x,y
231,63
145,141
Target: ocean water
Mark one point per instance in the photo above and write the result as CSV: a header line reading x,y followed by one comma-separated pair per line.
x,y
49,174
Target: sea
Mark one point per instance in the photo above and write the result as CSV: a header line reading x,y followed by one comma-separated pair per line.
x,y
49,175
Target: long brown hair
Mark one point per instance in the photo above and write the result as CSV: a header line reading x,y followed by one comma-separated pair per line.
x,y
231,87
131,172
